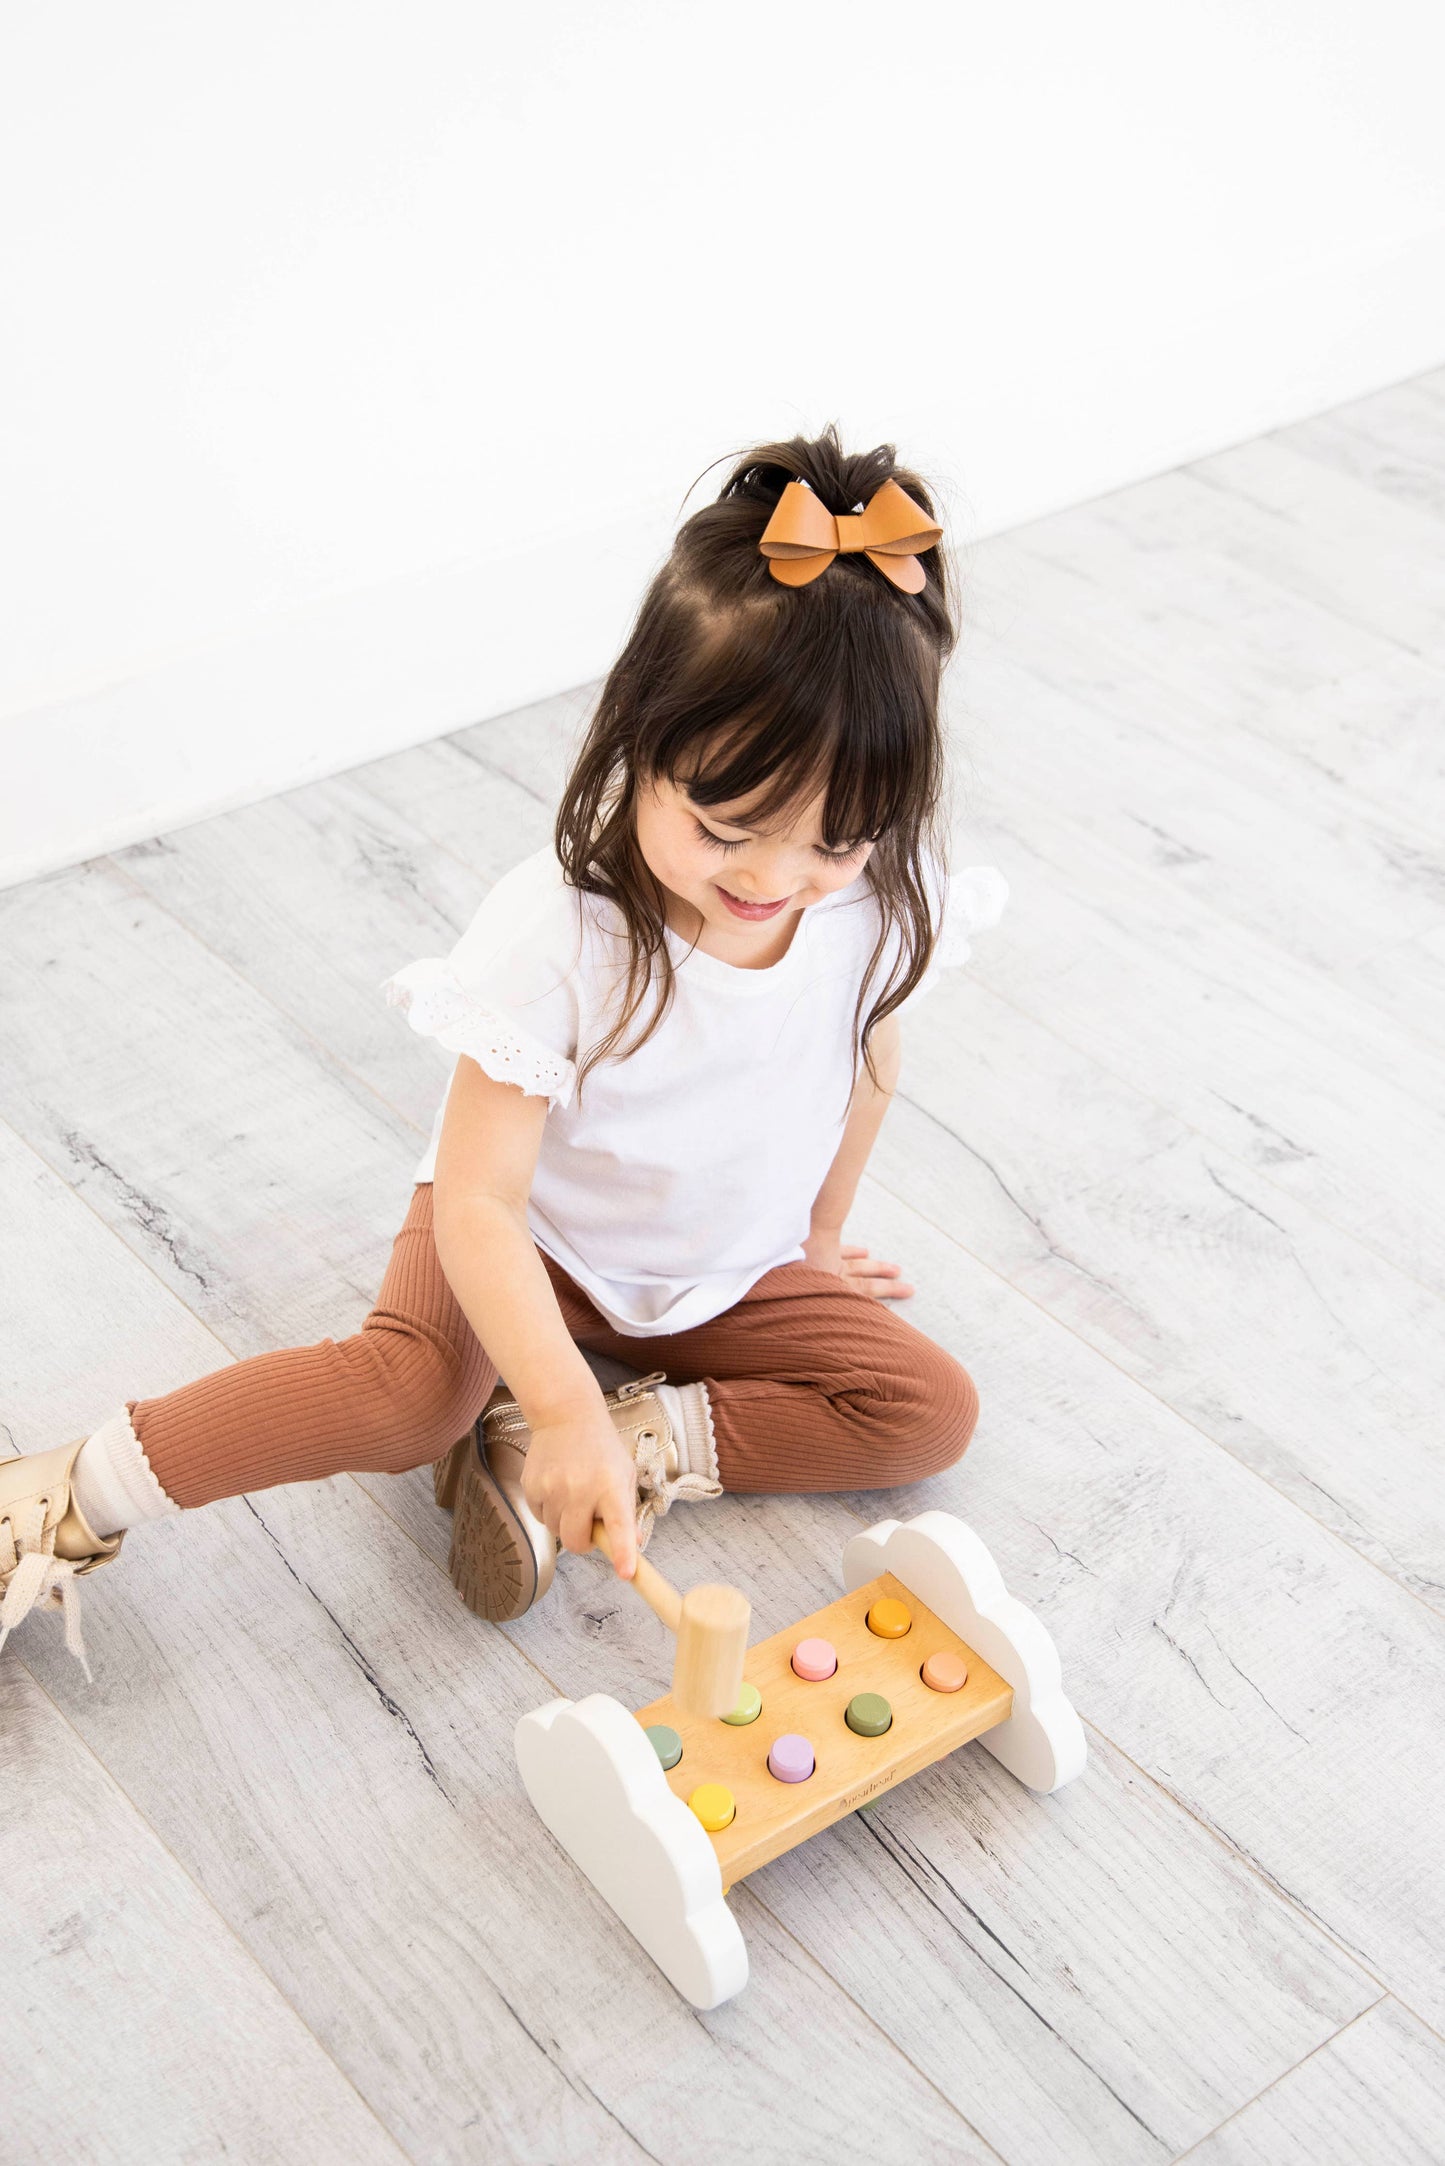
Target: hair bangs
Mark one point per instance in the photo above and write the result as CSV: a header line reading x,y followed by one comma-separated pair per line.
x,y
779,721
776,765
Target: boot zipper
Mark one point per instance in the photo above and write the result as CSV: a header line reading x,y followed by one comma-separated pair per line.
x,y
640,1384
507,1418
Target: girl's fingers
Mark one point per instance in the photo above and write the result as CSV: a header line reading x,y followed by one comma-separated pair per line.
x,y
575,1532
620,1520
880,1286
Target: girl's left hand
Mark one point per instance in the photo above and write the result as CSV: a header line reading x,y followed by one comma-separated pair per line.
x,y
862,1273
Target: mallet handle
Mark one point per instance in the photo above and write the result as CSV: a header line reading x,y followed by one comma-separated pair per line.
x,y
661,1597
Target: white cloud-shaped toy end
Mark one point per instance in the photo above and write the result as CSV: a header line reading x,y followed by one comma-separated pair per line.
x,y
949,1568
591,1772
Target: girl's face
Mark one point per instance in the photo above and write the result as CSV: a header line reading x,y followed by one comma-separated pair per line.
x,y
749,888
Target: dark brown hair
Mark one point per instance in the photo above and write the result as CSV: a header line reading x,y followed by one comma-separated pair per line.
x,y
731,682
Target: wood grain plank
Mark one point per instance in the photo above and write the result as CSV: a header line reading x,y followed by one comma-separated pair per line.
x,y
1375,733
1296,571
1119,1906
1208,616
1374,2096
349,892
1227,815
1181,613
136,2026
1315,1088
1408,978
86,1323
515,764
1365,556
1280,1687
1303,1354
1393,442
1262,843
192,1117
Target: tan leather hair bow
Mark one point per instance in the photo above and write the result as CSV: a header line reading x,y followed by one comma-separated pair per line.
x,y
802,537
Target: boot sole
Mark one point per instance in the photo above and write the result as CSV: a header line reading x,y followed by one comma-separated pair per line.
x,y
492,1563
447,1471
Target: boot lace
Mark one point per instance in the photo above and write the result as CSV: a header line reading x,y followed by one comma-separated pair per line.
x,y
35,1578
656,1491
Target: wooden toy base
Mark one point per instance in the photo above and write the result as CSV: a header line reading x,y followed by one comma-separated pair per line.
x,y
596,1782
772,1816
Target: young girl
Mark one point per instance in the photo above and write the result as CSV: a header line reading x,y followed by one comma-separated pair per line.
x,y
676,1035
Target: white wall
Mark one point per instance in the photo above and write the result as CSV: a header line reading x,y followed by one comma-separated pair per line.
x,y
363,350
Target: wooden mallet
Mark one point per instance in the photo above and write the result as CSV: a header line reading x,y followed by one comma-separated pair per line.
x,y
711,1628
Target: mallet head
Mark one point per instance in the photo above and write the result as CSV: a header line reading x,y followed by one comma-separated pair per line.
x,y
712,1641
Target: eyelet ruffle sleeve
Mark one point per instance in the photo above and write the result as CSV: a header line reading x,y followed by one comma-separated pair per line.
x,y
438,1005
977,898
966,902
507,994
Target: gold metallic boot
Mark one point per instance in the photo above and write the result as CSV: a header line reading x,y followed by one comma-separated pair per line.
x,y
46,1544
502,1557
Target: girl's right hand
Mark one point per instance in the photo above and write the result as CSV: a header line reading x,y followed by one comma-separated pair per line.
x,y
577,1470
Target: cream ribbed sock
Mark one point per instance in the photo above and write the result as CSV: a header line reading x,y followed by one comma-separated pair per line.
x,y
112,1480
691,1418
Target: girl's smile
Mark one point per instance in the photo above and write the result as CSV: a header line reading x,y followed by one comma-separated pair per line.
x,y
751,910
772,877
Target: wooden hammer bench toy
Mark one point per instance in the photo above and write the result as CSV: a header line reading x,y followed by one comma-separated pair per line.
x,y
665,1809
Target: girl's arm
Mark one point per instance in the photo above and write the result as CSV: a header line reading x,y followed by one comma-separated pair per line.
x,y
577,1468
866,1109
869,1104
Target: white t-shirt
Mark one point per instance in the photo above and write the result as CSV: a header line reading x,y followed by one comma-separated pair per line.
x,y
690,1167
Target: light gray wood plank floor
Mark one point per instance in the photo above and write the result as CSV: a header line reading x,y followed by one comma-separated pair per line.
x,y
1166,1167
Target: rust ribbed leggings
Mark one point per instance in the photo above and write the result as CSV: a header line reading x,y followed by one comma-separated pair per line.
x,y
812,1386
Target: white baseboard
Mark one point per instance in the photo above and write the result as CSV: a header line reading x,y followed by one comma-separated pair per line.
x,y
315,692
